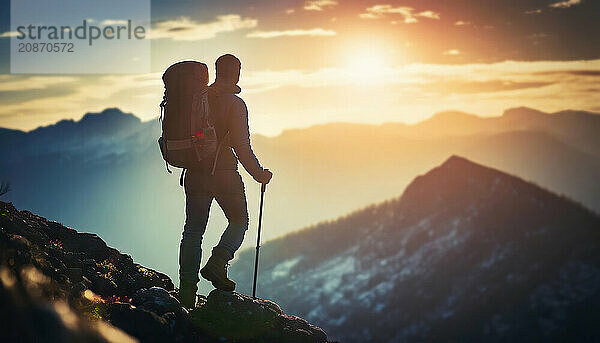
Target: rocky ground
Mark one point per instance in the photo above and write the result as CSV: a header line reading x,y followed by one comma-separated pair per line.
x,y
60,285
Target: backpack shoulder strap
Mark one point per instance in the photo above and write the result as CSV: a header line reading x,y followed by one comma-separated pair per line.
x,y
229,106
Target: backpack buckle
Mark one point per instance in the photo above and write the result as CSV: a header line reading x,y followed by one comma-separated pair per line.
x,y
197,137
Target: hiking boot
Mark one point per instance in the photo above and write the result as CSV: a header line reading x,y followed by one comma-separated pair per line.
x,y
187,294
215,270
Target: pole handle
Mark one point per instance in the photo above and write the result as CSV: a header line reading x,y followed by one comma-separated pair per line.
x,y
263,187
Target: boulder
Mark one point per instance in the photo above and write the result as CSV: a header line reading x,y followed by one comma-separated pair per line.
x,y
237,317
156,299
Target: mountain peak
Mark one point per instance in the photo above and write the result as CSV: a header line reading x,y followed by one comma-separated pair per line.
x,y
108,123
459,167
453,115
110,114
449,118
523,112
461,183
455,161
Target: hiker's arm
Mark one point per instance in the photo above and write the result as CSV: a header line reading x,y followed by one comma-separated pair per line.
x,y
239,134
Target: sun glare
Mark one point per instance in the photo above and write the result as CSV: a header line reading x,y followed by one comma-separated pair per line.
x,y
366,65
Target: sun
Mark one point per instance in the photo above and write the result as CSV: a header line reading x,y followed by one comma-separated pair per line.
x,y
366,65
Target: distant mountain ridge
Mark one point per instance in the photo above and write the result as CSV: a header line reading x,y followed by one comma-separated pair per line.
x,y
453,122
467,253
579,127
94,131
105,172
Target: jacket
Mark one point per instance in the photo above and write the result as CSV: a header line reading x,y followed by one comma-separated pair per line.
x,y
230,118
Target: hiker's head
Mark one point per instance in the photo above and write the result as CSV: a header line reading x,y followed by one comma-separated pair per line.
x,y
228,69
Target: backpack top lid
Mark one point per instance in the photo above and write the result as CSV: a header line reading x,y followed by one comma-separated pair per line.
x,y
188,71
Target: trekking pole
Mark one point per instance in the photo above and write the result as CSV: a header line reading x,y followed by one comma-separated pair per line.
x,y
263,187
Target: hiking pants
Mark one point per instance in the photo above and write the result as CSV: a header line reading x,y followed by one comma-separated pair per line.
x,y
201,188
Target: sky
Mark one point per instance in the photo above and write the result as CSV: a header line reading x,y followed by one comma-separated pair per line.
x,y
315,61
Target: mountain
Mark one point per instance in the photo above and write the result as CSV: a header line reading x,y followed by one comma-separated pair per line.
x,y
467,253
94,132
331,167
59,285
104,172
579,128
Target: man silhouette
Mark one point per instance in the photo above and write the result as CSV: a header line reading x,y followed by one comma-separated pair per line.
x,y
230,117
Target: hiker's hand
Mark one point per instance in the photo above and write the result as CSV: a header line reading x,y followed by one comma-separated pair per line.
x,y
265,177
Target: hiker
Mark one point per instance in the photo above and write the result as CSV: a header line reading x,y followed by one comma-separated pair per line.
x,y
224,183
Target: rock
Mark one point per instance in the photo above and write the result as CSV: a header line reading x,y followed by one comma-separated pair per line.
x,y
234,316
75,274
145,325
296,329
156,299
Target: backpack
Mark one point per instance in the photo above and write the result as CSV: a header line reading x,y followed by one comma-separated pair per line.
x,y
188,133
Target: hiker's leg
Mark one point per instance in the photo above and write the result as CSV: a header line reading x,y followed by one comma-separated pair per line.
x,y
198,199
231,196
229,193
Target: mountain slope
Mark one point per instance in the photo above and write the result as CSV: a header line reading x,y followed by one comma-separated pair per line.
x,y
59,285
467,253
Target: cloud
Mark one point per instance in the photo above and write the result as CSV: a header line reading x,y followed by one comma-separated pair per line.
x,y
79,94
536,11
378,11
408,92
186,29
510,73
412,92
319,5
565,4
452,52
489,86
19,83
462,23
9,34
108,22
589,73
428,14
316,32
